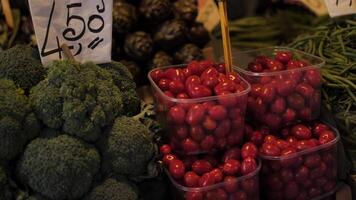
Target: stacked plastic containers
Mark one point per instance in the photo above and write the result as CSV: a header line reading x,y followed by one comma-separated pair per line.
x,y
202,110
285,90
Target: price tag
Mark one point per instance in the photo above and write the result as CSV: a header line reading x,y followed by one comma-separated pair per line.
x,y
316,6
208,14
85,26
341,7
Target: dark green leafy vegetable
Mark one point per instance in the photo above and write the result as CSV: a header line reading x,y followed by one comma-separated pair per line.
x,y
112,189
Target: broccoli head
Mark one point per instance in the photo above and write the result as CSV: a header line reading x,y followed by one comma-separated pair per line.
x,y
124,80
128,147
17,122
5,193
111,189
22,65
79,99
59,168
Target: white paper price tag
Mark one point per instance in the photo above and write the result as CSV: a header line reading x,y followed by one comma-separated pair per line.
x,y
208,14
316,6
85,26
341,7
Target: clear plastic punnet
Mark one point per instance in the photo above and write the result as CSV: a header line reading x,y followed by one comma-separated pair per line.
x,y
244,187
309,174
199,130
285,85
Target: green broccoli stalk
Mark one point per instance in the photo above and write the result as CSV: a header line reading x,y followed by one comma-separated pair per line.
x,y
22,65
111,189
128,147
124,80
17,122
59,168
79,99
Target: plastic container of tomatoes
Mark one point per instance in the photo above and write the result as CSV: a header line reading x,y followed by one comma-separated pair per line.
x,y
285,85
309,174
243,188
204,124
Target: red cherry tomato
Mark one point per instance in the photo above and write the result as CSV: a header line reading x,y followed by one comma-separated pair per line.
x,y
194,196
182,96
248,165
223,128
201,167
191,179
318,128
305,114
296,101
188,161
217,194
278,106
249,150
208,143
313,160
167,158
176,168
265,79
262,60
313,77
228,85
270,149
287,175
314,192
177,115
305,90
163,84
209,123
268,93
231,167
204,64
218,175
291,190
206,180
165,149
301,132
320,181
286,87
157,75
218,112
209,72
208,104
302,174
256,138
176,86
199,91
233,76
273,121
181,132
175,74
289,115
270,139
292,64
282,144
250,186
231,184
191,81
211,81
233,153
239,195
326,137
211,158
221,143
255,67
195,114
197,133
274,182
195,68
234,138
190,146
187,72
283,56
275,65
256,90
221,68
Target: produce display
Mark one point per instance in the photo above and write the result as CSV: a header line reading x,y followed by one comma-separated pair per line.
x,y
335,42
232,174
201,107
157,33
301,164
285,85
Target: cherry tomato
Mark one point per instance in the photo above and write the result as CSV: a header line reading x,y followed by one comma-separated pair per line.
x,y
163,84
231,184
256,90
167,158
312,160
195,68
275,65
218,112
287,175
217,194
211,81
211,158
204,64
305,90
291,190
274,182
225,86
208,143
188,161
201,167
278,106
270,139
249,150
265,80
303,195
262,60
186,71
206,180
318,128
197,133
239,195
305,114
314,192
233,76
191,179
192,80
283,56
208,104
270,149
165,149
175,74
296,101
255,67
181,132
248,165
176,168
272,120
268,93
233,153
301,132
231,167
286,87
209,72
320,181
190,146
326,137
182,96
282,144
289,115
194,196
157,75
199,91
250,186
223,128
218,175
302,174
313,77
329,159
292,64
176,86
177,115
195,114
301,145
256,138
221,68
235,137
221,143
259,107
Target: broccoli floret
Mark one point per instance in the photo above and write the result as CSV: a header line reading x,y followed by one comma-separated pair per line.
x,y
128,147
124,80
59,168
21,64
79,99
111,189
17,122
5,192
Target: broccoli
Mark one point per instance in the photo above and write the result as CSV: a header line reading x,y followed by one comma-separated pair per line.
x,y
124,80
17,122
128,147
111,189
59,168
5,192
22,65
79,99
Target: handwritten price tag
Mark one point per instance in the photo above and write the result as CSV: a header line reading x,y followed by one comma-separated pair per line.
x,y
84,25
316,6
208,14
341,7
